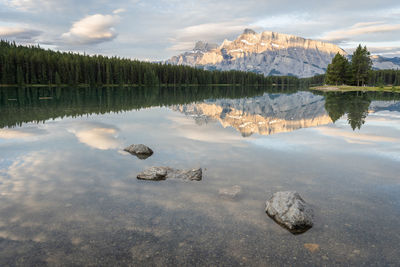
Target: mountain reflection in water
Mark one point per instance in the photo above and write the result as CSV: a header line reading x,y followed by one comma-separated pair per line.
x,y
266,114
249,110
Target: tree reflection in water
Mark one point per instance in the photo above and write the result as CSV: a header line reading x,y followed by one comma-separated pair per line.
x,y
353,104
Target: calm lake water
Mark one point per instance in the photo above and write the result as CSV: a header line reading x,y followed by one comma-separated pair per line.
x,y
69,194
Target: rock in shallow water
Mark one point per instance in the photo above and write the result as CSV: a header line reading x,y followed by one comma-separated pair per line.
x,y
140,150
312,247
290,210
230,192
191,175
162,173
153,173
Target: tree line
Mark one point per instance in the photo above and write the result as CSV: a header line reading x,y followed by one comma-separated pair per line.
x,y
359,71
384,77
30,65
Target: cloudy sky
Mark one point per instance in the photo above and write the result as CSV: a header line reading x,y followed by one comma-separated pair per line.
x,y
158,29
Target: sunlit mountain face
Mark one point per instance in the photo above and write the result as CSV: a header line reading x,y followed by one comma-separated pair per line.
x,y
270,53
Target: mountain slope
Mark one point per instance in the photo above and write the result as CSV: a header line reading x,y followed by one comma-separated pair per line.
x,y
270,53
381,63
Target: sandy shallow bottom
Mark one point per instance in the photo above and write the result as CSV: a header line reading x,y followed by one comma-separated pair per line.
x,y
69,194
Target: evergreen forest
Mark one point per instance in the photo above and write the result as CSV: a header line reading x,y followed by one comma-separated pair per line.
x,y
359,71
32,65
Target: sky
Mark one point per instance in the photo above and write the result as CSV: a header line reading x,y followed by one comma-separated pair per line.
x,y
158,29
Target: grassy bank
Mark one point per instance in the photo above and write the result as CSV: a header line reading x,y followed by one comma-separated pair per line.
x,y
349,88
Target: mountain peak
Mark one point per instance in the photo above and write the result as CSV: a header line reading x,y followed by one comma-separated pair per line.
x,y
204,47
249,31
269,53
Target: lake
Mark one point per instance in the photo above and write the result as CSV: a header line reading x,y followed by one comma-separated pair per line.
x,y
69,193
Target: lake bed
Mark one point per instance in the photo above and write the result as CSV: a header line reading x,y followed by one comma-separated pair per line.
x,y
69,193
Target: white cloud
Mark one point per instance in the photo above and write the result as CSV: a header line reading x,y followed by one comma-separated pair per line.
x,y
119,10
19,33
283,20
185,38
92,29
362,28
164,27
30,5
181,46
386,49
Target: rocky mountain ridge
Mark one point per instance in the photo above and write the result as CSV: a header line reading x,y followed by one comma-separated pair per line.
x,y
380,62
268,53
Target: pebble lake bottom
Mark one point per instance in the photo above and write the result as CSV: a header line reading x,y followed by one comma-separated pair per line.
x,y
69,194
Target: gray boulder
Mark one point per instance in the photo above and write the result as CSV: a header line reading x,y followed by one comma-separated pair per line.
x,y
191,174
290,210
141,151
154,174
162,173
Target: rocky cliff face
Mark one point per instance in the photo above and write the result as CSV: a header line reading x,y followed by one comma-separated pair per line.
x,y
269,53
267,114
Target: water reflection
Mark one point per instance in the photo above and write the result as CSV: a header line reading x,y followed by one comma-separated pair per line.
x,y
276,113
21,105
265,115
356,105
97,135
353,104
21,133
248,110
67,197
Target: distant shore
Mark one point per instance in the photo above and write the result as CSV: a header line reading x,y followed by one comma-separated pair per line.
x,y
349,88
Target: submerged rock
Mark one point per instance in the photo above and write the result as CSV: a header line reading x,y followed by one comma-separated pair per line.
x,y
141,151
191,175
290,210
312,247
153,173
230,192
162,173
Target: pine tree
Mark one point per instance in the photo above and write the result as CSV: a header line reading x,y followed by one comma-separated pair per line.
x,y
338,71
361,65
397,79
150,78
20,75
57,78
